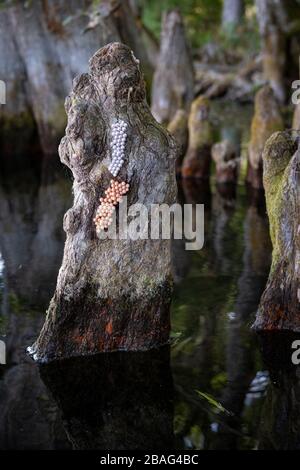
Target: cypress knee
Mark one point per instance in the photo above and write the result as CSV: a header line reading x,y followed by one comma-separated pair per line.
x,y
173,82
266,120
280,303
225,158
196,162
111,294
178,128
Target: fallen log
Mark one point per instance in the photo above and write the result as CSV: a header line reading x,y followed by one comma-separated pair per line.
x,y
111,294
279,307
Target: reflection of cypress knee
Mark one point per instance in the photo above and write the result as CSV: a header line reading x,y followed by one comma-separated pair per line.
x,y
121,400
266,120
196,163
225,158
173,82
280,303
111,294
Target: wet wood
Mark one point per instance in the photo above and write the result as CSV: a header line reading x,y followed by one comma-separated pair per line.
x,y
111,294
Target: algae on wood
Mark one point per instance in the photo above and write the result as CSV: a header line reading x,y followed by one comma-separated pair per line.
x,y
280,303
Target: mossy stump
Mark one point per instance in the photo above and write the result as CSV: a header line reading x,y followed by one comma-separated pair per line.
x,y
266,120
279,307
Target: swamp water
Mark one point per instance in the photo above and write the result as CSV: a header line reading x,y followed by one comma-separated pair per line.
x,y
216,387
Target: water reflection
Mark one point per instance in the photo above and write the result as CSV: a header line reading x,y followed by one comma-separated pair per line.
x,y
115,401
280,417
128,400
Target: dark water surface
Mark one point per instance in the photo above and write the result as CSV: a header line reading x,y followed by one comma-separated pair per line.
x,y
218,386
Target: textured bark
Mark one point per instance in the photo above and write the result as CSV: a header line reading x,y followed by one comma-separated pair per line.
x,y
266,120
279,36
178,128
128,400
45,52
173,82
232,14
111,294
279,307
225,158
196,162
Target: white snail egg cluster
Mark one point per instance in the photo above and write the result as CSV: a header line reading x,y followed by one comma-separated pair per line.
x,y
118,142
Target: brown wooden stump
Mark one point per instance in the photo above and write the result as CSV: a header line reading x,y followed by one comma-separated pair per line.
x,y
111,294
280,303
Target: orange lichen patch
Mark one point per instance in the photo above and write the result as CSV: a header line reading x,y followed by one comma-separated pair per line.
x,y
109,328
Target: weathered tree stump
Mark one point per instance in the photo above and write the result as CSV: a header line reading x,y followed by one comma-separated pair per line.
x,y
225,158
111,294
173,82
266,120
196,162
178,128
280,303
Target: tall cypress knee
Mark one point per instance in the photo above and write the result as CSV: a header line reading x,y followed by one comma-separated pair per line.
x,y
111,294
280,303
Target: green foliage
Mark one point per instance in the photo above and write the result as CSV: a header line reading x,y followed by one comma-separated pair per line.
x,y
213,402
202,17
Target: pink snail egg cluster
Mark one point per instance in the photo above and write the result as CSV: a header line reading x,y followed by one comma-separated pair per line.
x,y
113,195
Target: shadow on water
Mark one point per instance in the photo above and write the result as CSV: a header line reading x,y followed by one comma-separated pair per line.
x,y
119,400
280,415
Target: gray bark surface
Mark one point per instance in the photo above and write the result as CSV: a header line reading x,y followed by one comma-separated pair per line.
x,y
111,294
173,82
232,13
